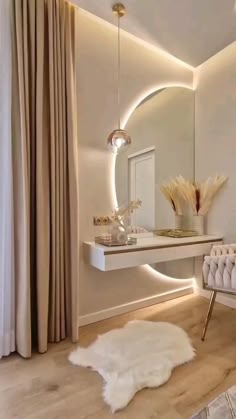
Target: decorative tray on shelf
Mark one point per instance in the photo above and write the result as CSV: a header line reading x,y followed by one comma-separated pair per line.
x,y
111,242
175,233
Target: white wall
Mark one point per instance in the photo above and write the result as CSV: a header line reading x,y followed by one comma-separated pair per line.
x,y
144,69
215,82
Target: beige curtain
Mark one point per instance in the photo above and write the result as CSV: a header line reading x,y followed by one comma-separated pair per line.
x,y
45,161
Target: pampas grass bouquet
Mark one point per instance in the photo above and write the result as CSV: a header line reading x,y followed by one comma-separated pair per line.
x,y
198,195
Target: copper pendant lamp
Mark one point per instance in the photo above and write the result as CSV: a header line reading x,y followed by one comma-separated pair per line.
x,y
118,139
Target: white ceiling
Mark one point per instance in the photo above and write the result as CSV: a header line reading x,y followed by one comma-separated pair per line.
x,y
191,30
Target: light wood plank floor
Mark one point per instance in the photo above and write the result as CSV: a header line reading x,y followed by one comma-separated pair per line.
x,y
47,387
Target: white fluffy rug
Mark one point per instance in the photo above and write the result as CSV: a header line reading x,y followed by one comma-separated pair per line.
x,y
141,354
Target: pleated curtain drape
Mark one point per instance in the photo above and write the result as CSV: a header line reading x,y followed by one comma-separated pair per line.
x,y
7,281
45,172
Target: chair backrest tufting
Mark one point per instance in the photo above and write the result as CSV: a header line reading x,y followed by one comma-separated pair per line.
x,y
219,272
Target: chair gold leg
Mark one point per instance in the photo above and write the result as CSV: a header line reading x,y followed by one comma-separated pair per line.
x,y
208,318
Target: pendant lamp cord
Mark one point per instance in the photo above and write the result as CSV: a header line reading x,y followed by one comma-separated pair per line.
x,y
119,66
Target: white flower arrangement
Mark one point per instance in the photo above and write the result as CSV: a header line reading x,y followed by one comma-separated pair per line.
x,y
119,214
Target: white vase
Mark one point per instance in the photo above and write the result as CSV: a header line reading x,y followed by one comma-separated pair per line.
x,y
199,224
118,233
178,222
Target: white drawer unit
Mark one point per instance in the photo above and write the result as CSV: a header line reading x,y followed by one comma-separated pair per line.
x,y
147,251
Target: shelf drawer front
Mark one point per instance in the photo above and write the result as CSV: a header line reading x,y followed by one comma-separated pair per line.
x,y
149,256
108,260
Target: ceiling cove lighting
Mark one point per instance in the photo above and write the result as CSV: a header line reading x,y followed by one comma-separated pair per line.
x,y
118,139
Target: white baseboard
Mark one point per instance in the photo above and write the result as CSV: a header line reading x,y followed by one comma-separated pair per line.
x,y
224,299
134,305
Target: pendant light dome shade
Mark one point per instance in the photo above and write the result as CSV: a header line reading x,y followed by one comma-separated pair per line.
x,y
118,140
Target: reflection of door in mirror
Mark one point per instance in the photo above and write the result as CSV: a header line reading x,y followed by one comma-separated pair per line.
x,y
142,186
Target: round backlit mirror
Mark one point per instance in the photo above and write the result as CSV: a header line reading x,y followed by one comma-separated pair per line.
x,y
162,132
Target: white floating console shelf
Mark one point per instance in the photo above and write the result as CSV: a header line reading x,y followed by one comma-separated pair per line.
x,y
147,251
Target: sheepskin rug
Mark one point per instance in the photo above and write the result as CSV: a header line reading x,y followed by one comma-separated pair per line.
x,y
141,354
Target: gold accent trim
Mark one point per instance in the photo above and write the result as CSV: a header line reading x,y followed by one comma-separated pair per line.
x,y
209,313
175,233
160,246
119,9
221,290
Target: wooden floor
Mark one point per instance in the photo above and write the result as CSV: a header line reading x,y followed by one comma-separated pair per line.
x,y
48,387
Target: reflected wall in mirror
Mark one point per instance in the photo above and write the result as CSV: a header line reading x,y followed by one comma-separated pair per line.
x,y
162,133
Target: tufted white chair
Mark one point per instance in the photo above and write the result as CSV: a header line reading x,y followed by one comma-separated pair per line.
x,y
219,275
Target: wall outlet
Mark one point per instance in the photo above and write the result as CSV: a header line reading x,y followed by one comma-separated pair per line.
x,y
102,221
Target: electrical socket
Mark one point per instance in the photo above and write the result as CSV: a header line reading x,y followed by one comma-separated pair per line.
x,y
101,221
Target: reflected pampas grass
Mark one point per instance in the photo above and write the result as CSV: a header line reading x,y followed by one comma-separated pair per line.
x,y
172,193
